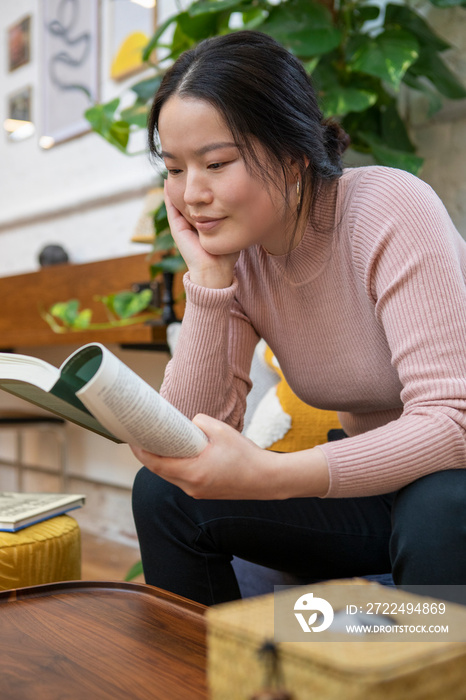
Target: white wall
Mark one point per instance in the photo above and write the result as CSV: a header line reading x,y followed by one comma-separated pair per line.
x,y
35,183
87,196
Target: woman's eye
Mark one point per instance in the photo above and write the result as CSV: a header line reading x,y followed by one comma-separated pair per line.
x,y
216,166
174,171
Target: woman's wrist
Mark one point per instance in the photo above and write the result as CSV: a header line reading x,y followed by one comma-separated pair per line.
x,y
211,278
217,273
303,474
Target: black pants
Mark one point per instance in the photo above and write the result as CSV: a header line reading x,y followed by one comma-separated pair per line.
x,y
418,533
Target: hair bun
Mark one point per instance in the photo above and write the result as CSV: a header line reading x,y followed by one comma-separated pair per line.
x,y
336,138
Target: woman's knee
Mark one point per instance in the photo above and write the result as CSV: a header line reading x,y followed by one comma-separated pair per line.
x,y
434,500
429,529
146,487
153,497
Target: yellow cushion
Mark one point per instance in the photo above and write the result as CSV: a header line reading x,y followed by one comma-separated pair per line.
x,y
309,425
43,553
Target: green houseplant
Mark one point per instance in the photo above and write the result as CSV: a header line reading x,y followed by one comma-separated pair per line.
x,y
361,57
123,308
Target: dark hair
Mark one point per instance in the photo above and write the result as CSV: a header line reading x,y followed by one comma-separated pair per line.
x,y
264,94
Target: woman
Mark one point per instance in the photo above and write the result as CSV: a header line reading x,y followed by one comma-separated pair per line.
x,y
355,279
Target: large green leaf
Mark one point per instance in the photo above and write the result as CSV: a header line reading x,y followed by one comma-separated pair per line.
x,y
366,13
136,114
356,123
430,65
181,42
386,56
102,119
393,129
164,241
253,19
198,26
154,41
135,571
83,319
66,311
448,3
172,263
433,97
215,6
101,116
305,27
160,218
127,304
340,92
146,89
391,157
69,314
397,159
119,132
338,100
403,17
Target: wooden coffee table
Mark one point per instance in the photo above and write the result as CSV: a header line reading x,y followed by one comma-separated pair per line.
x,y
101,640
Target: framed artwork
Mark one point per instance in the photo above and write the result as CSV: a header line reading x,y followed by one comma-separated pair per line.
x,y
18,123
133,23
19,44
69,71
20,105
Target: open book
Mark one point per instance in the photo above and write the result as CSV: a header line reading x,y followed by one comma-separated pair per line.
x,y
96,390
18,510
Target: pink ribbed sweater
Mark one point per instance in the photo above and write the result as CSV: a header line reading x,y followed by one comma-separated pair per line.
x,y
366,317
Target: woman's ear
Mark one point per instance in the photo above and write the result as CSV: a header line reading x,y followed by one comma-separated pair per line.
x,y
295,168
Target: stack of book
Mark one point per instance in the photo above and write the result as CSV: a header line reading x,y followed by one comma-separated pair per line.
x,y
19,510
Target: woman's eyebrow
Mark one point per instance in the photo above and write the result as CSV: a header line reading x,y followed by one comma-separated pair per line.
x,y
204,149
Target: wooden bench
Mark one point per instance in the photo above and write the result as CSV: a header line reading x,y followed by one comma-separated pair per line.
x,y
21,324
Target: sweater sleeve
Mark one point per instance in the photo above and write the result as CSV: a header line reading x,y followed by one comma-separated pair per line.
x,y
209,371
412,263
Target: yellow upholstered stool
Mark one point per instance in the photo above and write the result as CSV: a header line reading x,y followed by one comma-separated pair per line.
x,y
42,553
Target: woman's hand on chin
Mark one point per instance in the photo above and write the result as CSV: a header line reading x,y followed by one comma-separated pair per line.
x,y
205,269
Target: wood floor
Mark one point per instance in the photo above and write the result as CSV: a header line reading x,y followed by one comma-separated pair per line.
x,y
105,560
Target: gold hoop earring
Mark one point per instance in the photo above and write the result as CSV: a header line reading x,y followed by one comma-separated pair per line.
x,y
298,192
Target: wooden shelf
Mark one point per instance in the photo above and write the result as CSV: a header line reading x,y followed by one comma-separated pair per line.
x,y
21,324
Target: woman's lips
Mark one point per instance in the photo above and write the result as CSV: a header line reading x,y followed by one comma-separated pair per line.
x,y
203,225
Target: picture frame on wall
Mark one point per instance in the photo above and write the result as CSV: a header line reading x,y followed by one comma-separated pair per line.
x,y
69,37
19,43
19,123
20,105
132,25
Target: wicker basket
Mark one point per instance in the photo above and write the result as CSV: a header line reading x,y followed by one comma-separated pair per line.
x,y
339,670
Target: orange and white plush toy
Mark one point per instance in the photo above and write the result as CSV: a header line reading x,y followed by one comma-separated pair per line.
x,y
275,418
280,420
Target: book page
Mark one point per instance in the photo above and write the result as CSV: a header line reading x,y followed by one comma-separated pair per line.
x,y
24,368
57,405
136,413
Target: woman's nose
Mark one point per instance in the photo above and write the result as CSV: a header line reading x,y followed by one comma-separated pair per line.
x,y
196,190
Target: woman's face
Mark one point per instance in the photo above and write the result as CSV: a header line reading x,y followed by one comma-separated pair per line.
x,y
208,182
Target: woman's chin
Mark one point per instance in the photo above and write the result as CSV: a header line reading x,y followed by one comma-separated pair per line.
x,y
220,250
214,247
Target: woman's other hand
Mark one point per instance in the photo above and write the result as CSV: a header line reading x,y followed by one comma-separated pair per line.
x,y
233,467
